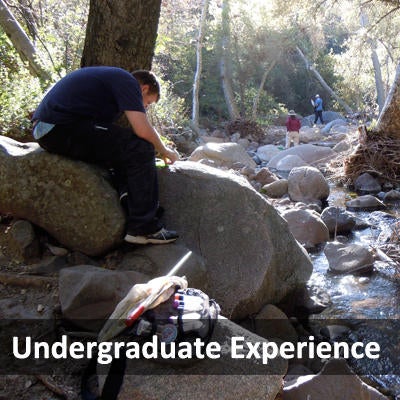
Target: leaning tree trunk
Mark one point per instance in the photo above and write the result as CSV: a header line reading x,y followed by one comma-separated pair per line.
x,y
21,42
389,121
121,33
256,100
321,80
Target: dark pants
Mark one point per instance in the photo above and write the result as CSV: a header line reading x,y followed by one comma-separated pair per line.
x,y
131,158
318,114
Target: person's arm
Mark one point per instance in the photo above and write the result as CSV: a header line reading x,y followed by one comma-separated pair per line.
x,y
142,127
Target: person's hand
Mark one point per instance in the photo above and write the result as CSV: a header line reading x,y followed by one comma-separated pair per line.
x,y
170,156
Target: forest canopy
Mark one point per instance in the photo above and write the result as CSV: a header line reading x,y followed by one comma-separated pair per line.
x,y
270,54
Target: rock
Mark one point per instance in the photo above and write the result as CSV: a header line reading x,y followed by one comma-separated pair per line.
x,y
365,203
69,199
367,184
264,176
347,259
335,381
307,227
307,184
273,324
342,146
156,261
266,152
276,189
88,294
244,143
308,152
325,130
286,164
222,378
250,256
338,220
310,134
392,196
328,116
19,241
224,154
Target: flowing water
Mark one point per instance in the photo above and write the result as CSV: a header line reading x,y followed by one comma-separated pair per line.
x,y
372,297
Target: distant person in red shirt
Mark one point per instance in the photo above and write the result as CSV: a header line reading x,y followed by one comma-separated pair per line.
x,y
293,126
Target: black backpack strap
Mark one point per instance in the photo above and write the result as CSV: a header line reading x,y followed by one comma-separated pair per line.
x,y
114,379
90,381
112,384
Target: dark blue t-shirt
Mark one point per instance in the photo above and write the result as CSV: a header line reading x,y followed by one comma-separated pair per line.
x,y
99,94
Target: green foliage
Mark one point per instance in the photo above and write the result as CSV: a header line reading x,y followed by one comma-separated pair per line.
x,y
18,96
170,111
264,37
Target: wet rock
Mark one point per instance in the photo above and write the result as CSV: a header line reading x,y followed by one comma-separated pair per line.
x,y
365,203
307,227
367,184
348,258
392,196
338,220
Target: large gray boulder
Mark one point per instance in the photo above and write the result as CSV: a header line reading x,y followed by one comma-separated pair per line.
x,y
246,248
310,153
222,154
251,257
69,199
307,184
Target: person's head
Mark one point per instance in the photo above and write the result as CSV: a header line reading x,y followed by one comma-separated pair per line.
x,y
292,114
149,84
316,96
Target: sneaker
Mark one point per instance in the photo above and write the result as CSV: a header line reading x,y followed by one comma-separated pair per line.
x,y
160,237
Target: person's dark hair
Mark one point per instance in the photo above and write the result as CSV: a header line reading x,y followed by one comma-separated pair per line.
x,y
148,78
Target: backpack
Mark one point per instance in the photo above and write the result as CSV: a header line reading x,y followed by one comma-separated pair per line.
x,y
187,314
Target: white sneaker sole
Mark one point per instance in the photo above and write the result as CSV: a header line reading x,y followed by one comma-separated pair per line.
x,y
146,240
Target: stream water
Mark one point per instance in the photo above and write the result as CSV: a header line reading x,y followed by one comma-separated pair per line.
x,y
365,298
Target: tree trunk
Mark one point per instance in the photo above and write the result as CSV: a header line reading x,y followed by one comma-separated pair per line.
x,y
380,91
196,83
224,63
321,80
21,42
260,88
389,121
121,33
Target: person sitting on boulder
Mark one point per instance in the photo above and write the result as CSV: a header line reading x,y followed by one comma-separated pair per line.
x,y
76,119
293,126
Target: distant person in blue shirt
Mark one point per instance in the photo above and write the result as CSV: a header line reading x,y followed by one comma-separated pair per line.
x,y
318,108
76,119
